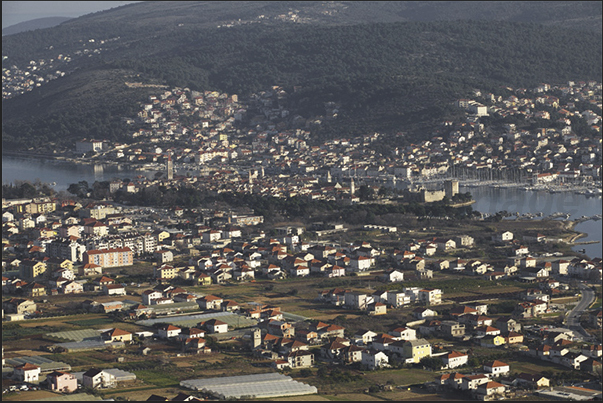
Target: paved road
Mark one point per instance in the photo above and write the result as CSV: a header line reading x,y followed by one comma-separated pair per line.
x,y
573,318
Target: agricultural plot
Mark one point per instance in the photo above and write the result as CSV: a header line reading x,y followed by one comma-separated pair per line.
x,y
233,320
77,335
91,322
46,365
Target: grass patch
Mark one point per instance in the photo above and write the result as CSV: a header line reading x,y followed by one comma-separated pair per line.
x,y
535,366
14,331
160,378
121,391
91,322
77,359
400,377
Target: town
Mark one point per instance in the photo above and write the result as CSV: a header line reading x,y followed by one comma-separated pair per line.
x,y
123,286
545,137
109,293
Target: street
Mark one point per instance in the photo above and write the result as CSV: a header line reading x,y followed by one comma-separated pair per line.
x,y
573,318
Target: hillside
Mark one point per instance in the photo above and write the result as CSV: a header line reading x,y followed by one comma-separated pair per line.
x,y
38,23
386,76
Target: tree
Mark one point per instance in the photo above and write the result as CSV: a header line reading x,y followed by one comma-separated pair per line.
x,y
365,192
433,363
79,189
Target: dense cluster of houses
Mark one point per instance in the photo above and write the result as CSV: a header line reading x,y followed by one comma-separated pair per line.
x,y
64,248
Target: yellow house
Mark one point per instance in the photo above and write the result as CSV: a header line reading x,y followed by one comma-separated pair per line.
x,y
493,341
514,338
35,290
416,349
204,279
165,272
377,309
47,233
58,263
161,235
32,269
40,207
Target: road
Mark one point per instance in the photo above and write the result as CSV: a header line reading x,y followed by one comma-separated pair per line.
x,y
573,318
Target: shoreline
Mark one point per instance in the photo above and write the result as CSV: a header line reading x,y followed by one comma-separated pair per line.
x,y
589,190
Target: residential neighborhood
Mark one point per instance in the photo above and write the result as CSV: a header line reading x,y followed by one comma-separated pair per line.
x,y
382,312
168,283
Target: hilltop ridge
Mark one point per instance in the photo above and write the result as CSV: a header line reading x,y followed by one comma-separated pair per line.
x,y
386,76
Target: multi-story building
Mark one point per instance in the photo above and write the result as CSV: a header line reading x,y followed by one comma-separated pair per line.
x,y
66,249
416,350
109,257
59,381
32,269
165,272
355,300
451,328
430,296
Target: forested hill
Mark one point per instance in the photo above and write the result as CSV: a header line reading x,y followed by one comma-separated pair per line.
x,y
38,23
386,76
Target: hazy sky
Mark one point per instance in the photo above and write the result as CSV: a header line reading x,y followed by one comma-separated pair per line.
x,y
14,12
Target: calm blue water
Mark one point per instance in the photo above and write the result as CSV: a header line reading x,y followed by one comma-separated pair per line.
x,y
492,200
63,173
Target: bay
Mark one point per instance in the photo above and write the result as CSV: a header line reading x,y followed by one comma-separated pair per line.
x,y
63,173
492,200
488,199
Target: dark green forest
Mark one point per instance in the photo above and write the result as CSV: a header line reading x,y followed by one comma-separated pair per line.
x,y
387,76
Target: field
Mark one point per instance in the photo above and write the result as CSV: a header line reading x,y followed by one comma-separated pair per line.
x,y
45,395
91,322
534,365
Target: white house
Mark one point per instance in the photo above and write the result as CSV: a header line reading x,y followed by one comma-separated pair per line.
x,y
27,372
211,236
149,296
430,296
454,359
356,300
300,271
373,359
216,326
364,337
397,299
360,263
404,333
504,237
393,276
424,313
163,256
169,331
210,302
496,368
97,378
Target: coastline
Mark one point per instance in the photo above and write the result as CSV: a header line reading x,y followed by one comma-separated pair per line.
x,y
590,190
573,239
62,158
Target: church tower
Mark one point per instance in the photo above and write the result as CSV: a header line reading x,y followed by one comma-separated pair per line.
x,y
257,338
169,167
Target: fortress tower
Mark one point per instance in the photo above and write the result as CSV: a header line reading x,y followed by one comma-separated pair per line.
x,y
451,188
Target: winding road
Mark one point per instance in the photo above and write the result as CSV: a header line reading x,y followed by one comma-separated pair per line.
x,y
573,318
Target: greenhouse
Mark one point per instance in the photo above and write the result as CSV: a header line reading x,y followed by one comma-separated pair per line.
x,y
250,386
